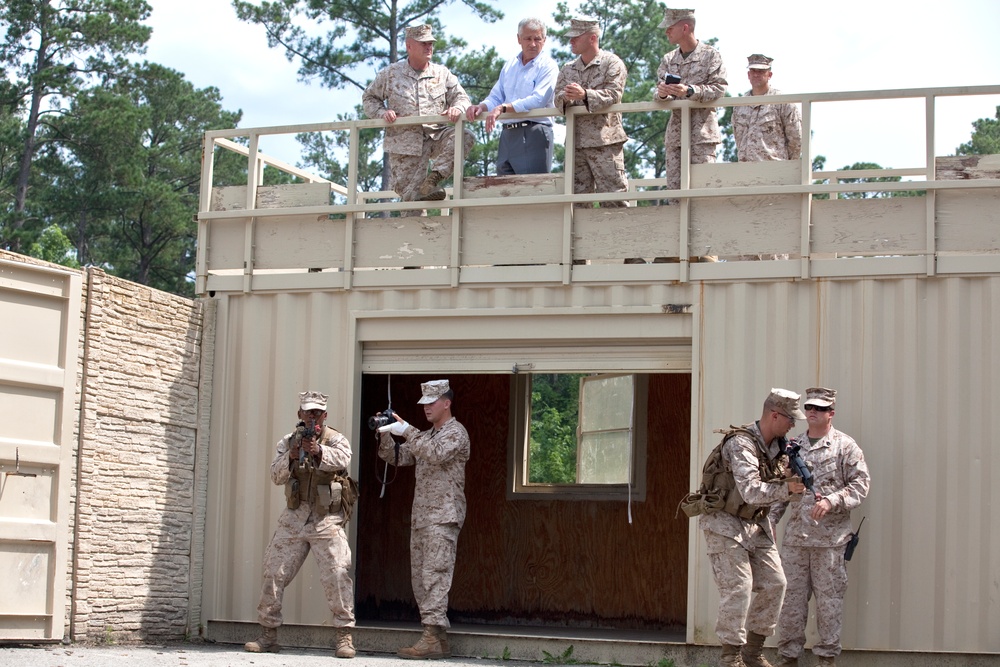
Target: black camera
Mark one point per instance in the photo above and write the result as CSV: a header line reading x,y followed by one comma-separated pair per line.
x,y
383,419
669,78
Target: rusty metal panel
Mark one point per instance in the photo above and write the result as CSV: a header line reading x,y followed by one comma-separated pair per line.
x,y
40,308
913,360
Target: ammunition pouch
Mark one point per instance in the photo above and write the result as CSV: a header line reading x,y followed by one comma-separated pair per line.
x,y
292,494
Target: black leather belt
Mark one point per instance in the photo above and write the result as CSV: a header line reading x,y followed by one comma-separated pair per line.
x,y
511,126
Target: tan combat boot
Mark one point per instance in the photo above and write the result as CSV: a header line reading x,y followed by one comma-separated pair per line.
x,y
266,643
345,645
731,656
428,647
753,651
429,190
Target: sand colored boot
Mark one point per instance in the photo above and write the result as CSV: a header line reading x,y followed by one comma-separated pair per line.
x,y
731,656
428,647
345,644
266,643
753,651
429,189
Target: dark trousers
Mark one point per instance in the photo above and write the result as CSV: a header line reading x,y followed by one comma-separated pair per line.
x,y
525,148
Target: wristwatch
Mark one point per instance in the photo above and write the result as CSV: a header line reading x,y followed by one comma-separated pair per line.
x,y
690,91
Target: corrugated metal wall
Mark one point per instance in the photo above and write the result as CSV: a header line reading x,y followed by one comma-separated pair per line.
x,y
915,361
913,358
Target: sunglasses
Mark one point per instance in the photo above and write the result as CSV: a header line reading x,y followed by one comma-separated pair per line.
x,y
820,408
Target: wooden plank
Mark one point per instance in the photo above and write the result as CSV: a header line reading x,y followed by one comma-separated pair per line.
x,y
396,242
513,186
968,220
619,233
734,174
299,242
885,226
224,244
512,235
233,197
967,167
767,225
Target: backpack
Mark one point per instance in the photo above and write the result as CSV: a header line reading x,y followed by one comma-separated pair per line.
x,y
718,490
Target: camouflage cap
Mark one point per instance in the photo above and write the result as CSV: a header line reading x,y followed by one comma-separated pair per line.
x,y
312,400
672,16
759,61
786,402
820,396
582,26
420,33
433,390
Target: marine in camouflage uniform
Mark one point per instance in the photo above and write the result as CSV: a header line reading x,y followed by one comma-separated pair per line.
x,y
817,532
742,551
415,86
703,79
313,520
766,131
439,456
595,81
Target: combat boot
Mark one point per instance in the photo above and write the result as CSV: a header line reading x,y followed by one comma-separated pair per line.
x,y
753,651
787,662
731,656
428,647
266,643
345,645
429,190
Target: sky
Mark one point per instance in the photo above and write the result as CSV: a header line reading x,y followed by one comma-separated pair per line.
x,y
817,47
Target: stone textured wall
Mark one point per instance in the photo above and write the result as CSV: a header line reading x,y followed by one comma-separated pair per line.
x,y
136,507
139,470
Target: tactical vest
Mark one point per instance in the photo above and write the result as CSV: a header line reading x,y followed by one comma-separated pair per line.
x,y
327,491
718,489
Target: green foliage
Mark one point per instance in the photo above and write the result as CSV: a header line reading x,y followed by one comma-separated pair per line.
x,y
361,35
564,658
50,50
861,166
554,418
122,170
53,246
665,662
985,137
506,653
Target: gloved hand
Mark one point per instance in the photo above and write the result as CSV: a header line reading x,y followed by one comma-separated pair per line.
x,y
398,427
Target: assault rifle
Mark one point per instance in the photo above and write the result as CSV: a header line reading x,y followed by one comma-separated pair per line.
x,y
799,466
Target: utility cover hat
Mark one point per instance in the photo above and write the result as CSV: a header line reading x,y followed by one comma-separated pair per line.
x,y
433,390
421,33
582,26
786,402
672,16
820,396
759,61
312,400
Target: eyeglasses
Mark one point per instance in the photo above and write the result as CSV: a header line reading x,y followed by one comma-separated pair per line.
x,y
820,408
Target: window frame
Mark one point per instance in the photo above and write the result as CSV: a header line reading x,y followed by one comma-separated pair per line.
x,y
518,446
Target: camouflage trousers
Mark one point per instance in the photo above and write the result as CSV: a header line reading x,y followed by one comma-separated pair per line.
x,y
818,572
292,541
600,169
700,154
432,564
739,572
407,172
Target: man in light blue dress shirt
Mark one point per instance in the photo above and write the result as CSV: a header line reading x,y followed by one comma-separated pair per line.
x,y
526,82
